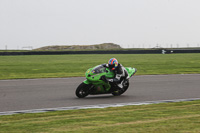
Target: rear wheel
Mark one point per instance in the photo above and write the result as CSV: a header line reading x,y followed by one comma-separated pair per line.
x,y
82,90
122,90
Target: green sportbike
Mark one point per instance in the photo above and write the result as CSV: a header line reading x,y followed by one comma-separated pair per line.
x,y
95,82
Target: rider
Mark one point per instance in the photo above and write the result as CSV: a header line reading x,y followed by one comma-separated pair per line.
x,y
120,72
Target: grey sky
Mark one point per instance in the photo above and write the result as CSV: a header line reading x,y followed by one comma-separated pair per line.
x,y
129,23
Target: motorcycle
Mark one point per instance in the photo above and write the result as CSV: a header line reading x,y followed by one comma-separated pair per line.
x,y
96,82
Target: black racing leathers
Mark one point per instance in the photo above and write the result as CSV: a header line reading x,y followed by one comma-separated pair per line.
x,y
120,74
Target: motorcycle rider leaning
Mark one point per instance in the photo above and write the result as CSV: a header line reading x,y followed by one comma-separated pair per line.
x,y
120,73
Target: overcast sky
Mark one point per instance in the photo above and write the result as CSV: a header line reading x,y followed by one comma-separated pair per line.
x,y
129,23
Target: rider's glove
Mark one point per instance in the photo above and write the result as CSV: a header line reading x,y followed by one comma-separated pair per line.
x,y
105,79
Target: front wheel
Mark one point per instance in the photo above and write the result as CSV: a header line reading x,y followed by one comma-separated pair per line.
x,y
82,90
122,90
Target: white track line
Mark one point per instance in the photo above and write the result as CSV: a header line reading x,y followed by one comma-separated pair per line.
x,y
94,106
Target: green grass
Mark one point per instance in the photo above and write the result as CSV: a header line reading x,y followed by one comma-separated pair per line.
x,y
156,118
48,66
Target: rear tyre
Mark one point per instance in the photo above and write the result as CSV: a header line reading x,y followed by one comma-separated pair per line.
x,y
121,90
82,90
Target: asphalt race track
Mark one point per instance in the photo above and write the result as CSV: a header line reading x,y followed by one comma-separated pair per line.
x,y
29,94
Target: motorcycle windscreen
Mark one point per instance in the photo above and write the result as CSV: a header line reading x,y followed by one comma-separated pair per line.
x,y
99,69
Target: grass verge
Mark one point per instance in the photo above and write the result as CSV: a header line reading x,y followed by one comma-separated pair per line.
x,y
53,66
157,118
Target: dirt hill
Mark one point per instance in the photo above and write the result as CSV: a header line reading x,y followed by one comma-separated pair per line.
x,y
82,47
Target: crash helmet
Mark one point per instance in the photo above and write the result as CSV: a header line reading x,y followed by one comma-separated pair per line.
x,y
113,63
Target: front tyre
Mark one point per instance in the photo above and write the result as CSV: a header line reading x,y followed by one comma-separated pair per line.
x,y
82,90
